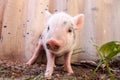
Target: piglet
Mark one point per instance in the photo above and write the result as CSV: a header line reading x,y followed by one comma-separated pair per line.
x,y
58,38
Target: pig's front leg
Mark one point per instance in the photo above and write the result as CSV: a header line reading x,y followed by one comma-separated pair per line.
x,y
50,64
68,67
36,53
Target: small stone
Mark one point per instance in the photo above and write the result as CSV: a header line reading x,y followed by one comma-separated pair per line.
x,y
57,75
42,65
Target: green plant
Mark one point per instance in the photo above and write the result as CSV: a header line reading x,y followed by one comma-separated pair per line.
x,y
106,52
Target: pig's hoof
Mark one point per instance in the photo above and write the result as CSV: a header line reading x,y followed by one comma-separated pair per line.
x,y
48,75
28,63
70,71
70,74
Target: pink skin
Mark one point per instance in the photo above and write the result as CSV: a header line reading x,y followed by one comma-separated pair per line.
x,y
50,64
54,43
36,53
68,67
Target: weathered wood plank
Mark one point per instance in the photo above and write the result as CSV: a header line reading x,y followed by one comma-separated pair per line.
x,y
2,8
12,30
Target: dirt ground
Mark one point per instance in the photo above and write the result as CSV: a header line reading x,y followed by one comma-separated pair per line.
x,y
83,71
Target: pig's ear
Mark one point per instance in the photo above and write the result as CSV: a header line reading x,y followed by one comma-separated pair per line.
x,y
47,16
79,20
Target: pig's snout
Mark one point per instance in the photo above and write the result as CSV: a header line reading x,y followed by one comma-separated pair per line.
x,y
53,45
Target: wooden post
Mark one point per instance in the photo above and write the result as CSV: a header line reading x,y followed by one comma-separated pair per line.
x,y
2,8
12,44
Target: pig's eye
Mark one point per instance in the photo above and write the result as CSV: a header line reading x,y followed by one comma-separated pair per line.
x,y
48,28
70,29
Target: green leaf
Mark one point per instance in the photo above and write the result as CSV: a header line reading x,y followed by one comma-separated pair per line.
x,y
110,49
112,54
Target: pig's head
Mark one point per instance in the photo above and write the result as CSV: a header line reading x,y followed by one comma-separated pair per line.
x,y
60,31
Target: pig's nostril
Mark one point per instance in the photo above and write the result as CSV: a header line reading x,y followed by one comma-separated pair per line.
x,y
48,46
56,47
52,45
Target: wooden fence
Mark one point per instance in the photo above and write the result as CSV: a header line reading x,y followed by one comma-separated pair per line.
x,y
22,21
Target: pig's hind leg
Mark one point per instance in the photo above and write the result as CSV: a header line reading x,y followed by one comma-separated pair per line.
x,y
36,53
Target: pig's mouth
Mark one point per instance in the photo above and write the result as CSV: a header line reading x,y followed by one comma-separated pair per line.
x,y
59,52
54,51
